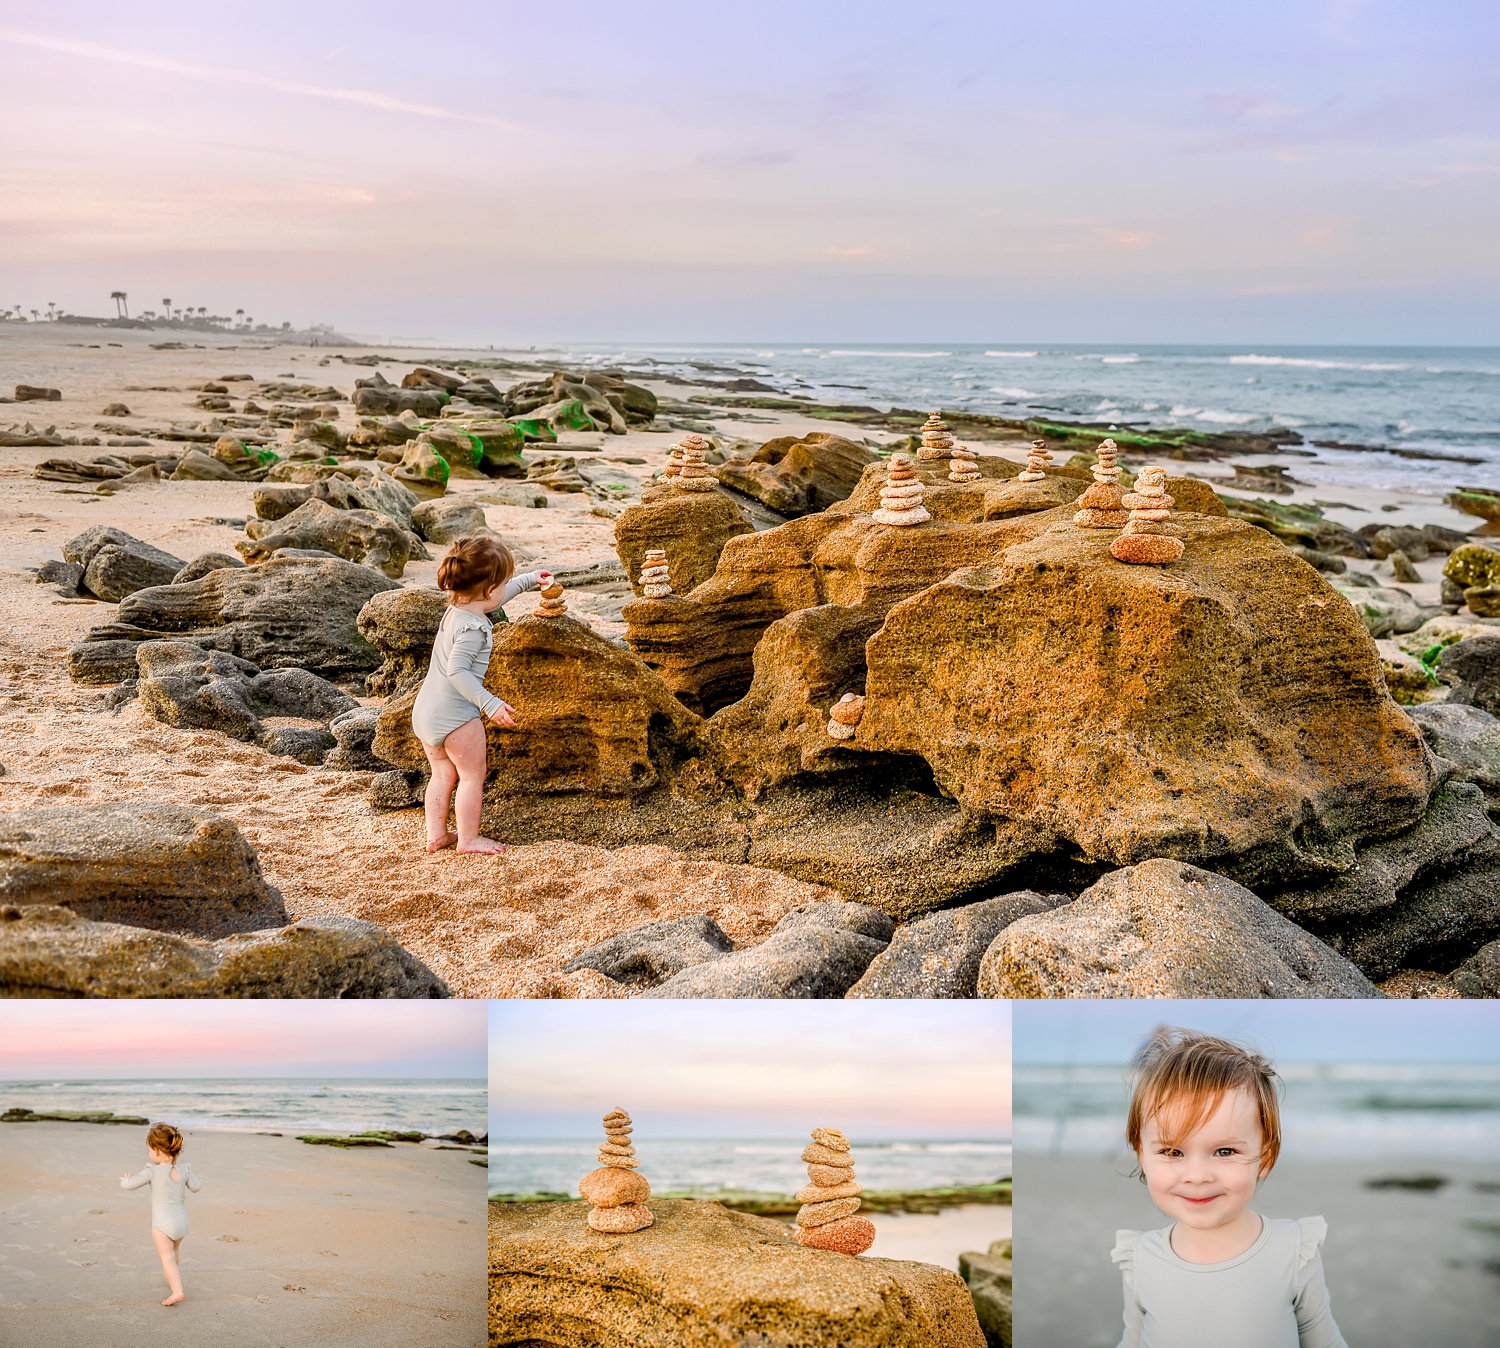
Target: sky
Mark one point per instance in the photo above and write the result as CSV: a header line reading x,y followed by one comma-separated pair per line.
x,y
878,1070
97,1040
1292,171
1106,1032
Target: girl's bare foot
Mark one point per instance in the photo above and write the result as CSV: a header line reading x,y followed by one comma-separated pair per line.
x,y
437,844
482,845
173,1300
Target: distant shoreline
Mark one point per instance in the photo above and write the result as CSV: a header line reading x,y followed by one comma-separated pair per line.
x,y
924,1201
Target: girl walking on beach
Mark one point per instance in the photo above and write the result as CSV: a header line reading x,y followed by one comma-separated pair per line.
x,y
1205,1126
448,716
169,1181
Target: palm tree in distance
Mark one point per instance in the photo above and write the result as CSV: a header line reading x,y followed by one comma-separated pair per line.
x,y
122,310
239,317
51,309
167,305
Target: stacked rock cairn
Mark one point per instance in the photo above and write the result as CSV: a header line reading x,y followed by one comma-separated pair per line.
x,y
674,462
1037,459
655,582
844,716
826,1220
1102,505
1148,538
615,1193
964,466
695,474
937,440
901,497
553,605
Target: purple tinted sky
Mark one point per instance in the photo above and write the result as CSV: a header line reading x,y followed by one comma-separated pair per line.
x,y
1292,170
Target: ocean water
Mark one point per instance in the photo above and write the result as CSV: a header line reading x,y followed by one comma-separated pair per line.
x,y
1338,1110
709,1166
1396,401
272,1105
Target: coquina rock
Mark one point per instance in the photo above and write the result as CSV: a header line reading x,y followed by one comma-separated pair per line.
x,y
1165,929
796,476
290,611
402,624
358,535
702,1277
691,527
369,489
990,1284
1140,712
116,564
52,952
171,867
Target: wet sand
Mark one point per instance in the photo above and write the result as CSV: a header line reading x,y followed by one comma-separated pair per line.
x,y
1403,1267
940,1237
290,1244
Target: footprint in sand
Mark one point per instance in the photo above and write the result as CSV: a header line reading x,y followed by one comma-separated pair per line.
x,y
292,1287
339,1195
96,1212
239,1212
434,1275
263,1299
332,1254
228,1240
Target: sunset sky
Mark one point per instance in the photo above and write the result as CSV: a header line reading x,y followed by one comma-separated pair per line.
x,y
94,1040
1167,170
903,1069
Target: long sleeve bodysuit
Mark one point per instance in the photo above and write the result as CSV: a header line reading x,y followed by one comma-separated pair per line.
x,y
1271,1296
168,1195
453,693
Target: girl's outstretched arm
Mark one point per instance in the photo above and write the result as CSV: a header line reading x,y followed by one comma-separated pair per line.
x,y
192,1181
136,1181
462,659
527,580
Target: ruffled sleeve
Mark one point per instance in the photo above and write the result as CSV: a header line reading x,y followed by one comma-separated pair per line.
x,y
136,1181
1316,1327
1124,1256
1311,1233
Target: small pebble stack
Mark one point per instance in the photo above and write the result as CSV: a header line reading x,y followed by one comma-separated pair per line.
x,y
655,577
615,1193
1037,459
845,715
695,474
1148,539
901,497
937,440
826,1220
964,466
553,605
1102,505
674,462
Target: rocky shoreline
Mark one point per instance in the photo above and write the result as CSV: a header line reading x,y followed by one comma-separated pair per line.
x,y
925,1200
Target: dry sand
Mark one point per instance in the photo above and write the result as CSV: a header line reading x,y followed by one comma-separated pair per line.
x,y
290,1244
1403,1267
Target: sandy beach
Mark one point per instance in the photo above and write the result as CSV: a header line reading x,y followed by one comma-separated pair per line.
x,y
1403,1265
940,1237
289,1243
488,926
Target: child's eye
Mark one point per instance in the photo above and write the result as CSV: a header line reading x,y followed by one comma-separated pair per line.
x,y
1227,1151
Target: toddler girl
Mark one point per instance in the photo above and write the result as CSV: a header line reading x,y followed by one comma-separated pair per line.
x,y
1206,1129
169,1183
448,714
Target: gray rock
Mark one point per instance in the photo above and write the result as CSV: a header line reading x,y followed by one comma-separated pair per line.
x,y
1479,975
1165,929
67,576
101,662
116,572
81,548
121,693
1456,820
357,535
1465,736
51,952
819,951
397,789
939,956
204,563
196,466
402,625
651,954
514,494
1439,922
1472,666
1385,610
444,520
290,611
354,730
170,867
990,1285
184,685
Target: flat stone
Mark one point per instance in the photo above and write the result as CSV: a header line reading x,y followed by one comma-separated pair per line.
x,y
826,1193
651,954
609,1186
816,1214
814,1153
830,1176
830,1137
847,1235
621,1220
169,867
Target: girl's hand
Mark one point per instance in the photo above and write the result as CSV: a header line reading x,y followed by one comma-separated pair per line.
x,y
504,714
543,579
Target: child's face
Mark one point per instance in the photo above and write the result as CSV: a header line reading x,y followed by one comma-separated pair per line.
x,y
1207,1178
